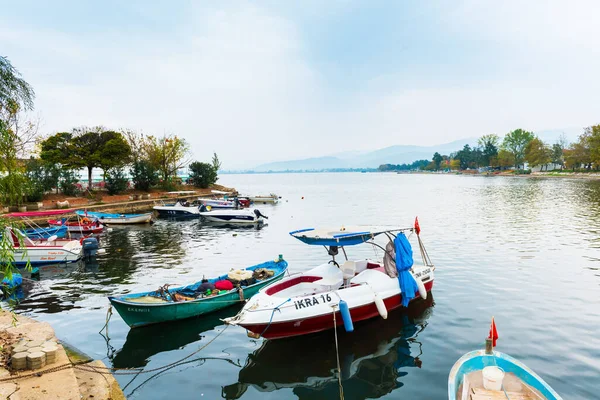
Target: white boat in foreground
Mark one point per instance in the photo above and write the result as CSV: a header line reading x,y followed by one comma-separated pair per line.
x,y
355,291
40,252
241,217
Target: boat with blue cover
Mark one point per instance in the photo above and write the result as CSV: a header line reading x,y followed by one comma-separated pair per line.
x,y
120,219
169,304
332,294
493,375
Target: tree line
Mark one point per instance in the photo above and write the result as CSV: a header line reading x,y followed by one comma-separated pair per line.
x,y
514,150
32,165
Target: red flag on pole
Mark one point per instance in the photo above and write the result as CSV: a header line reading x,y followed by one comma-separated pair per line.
x,y
493,333
417,227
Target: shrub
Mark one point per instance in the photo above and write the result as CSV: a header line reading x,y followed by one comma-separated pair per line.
x,y
202,174
116,182
68,182
143,175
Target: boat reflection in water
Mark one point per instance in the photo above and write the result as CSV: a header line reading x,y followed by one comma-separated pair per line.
x,y
144,342
372,359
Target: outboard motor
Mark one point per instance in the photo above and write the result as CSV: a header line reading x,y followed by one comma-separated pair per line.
x,y
259,214
90,247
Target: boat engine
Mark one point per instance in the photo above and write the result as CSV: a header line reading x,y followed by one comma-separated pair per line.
x,y
90,247
259,214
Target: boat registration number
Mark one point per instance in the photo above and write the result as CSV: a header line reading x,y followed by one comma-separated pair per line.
x,y
312,301
424,272
132,309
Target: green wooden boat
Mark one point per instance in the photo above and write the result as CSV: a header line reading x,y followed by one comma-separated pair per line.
x,y
148,308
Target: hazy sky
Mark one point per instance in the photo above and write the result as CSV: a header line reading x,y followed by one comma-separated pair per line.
x,y
272,80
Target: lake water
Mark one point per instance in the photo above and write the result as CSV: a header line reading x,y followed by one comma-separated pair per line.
x,y
524,250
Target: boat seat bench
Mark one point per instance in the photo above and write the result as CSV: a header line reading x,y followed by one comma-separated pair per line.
x,y
483,394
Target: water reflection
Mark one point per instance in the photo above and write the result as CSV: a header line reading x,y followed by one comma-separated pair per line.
x,y
144,342
372,358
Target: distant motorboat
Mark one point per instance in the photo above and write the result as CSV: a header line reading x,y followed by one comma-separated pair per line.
x,y
181,208
271,198
243,216
217,203
120,219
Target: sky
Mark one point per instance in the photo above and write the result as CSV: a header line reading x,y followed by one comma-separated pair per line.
x,y
275,80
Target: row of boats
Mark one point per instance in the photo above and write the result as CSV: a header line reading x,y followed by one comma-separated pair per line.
x,y
279,305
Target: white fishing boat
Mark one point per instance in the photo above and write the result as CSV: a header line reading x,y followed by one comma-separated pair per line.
x,y
40,252
116,219
354,291
260,199
238,217
181,209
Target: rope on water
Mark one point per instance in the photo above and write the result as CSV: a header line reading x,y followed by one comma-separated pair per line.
x,y
108,316
337,355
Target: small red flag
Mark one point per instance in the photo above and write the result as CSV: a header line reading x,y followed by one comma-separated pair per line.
x,y
417,227
493,333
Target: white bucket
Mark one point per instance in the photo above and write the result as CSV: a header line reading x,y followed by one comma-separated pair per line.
x,y
492,378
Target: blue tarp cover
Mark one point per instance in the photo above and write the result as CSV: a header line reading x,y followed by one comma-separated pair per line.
x,y
404,260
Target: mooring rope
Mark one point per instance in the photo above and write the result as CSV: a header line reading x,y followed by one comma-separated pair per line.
x,y
337,354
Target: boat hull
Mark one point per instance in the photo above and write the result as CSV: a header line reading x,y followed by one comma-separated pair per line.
x,y
79,228
177,212
477,360
141,314
324,322
46,255
239,217
120,219
264,199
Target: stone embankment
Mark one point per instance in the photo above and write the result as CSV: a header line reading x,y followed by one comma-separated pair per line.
x,y
36,366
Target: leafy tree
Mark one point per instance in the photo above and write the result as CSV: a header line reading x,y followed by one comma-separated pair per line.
x,y
537,153
216,163
13,182
57,149
489,149
167,154
505,159
465,156
437,160
593,141
515,142
557,155
143,175
97,147
203,174
15,92
116,182
454,164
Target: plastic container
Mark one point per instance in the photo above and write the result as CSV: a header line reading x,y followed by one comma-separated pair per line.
x,y
492,378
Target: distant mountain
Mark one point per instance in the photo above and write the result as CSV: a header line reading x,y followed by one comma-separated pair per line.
x,y
399,154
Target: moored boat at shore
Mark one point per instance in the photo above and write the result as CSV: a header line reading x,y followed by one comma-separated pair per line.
x,y
355,291
119,219
169,304
489,374
237,217
41,252
264,199
181,209
82,226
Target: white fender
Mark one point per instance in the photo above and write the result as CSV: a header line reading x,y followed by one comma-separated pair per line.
x,y
421,286
381,307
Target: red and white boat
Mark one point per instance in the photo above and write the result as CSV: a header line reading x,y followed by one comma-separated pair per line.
x,y
84,225
42,252
308,302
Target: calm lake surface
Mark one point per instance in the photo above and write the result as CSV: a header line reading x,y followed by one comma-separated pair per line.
x,y
524,250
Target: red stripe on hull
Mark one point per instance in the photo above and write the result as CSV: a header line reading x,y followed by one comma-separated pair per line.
x,y
325,322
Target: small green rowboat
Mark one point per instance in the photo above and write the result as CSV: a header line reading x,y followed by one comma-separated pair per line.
x,y
148,308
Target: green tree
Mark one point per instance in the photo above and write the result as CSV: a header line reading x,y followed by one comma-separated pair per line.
x,y
537,153
68,182
203,174
143,175
437,160
505,159
216,163
116,182
167,154
15,92
515,142
489,148
57,149
465,156
593,142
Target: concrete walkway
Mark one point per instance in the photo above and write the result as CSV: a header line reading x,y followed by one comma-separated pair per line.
x,y
66,384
